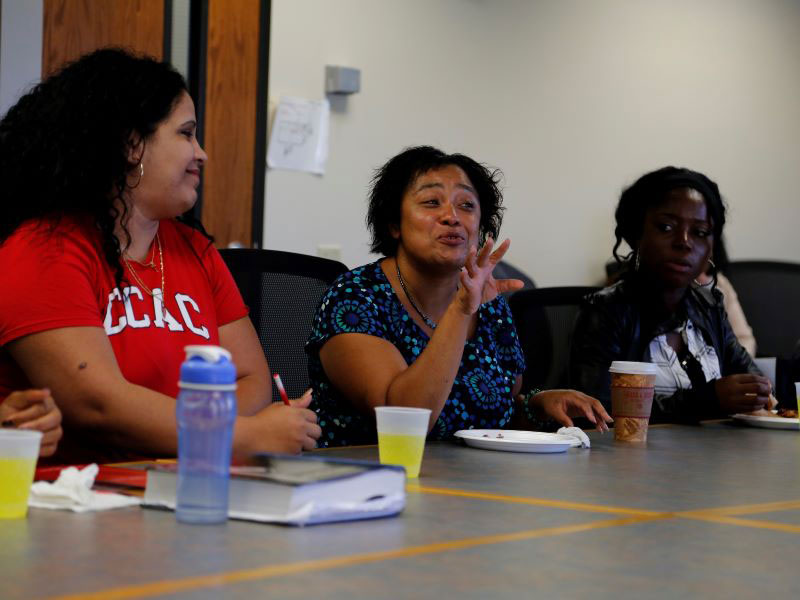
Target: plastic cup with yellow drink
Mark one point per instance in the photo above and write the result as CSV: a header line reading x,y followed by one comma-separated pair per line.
x,y
19,450
797,394
632,386
401,436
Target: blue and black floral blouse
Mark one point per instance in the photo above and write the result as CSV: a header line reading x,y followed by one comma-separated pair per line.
x,y
363,301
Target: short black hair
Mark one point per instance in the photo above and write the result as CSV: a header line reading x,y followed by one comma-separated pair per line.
x,y
390,182
650,190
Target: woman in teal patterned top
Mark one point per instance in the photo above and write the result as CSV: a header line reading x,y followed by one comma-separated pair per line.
x,y
426,326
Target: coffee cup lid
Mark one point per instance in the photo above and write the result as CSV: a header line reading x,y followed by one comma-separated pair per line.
x,y
633,368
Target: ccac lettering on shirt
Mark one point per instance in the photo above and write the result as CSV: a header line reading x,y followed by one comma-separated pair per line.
x,y
161,317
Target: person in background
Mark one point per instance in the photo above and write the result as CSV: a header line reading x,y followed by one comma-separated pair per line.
x,y
99,163
426,325
712,274
671,219
736,317
35,410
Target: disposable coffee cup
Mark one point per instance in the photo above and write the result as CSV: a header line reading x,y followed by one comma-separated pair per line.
x,y
401,436
19,449
631,399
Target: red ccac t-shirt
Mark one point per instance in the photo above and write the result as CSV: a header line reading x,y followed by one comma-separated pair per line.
x,y
58,277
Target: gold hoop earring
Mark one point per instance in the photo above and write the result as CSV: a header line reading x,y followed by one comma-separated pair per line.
x,y
141,174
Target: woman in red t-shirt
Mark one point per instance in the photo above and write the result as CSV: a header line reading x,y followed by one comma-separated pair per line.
x,y
100,164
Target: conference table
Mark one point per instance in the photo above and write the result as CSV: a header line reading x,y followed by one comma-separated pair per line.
x,y
700,511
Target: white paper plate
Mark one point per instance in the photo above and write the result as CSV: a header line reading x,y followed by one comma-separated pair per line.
x,y
509,440
768,422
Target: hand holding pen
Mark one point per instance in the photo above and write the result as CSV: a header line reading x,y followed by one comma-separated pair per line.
x,y
281,390
303,401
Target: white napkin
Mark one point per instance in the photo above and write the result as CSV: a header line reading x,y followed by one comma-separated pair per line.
x,y
73,491
581,439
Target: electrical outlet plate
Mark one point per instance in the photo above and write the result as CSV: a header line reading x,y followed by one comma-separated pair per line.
x,y
331,251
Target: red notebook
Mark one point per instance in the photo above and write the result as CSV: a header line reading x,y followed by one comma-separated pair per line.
x,y
133,474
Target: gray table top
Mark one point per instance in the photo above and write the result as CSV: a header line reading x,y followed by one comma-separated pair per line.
x,y
711,511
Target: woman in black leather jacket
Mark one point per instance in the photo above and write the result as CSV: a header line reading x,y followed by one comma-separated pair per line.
x,y
671,219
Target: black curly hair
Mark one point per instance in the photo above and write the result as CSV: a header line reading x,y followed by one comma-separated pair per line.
x,y
649,191
64,146
390,182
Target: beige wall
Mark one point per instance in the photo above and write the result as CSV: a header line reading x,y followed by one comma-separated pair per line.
x,y
20,49
573,99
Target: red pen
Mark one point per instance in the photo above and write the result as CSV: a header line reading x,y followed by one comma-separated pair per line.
x,y
282,391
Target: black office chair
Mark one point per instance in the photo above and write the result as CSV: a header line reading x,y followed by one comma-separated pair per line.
x,y
283,290
769,292
504,270
544,318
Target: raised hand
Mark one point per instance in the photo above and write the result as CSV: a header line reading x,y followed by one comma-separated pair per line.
x,y
478,285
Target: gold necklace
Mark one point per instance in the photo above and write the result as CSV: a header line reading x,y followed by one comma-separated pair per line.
x,y
150,263
139,279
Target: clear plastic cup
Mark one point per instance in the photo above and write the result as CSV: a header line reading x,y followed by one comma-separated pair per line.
x,y
19,449
631,399
797,394
401,436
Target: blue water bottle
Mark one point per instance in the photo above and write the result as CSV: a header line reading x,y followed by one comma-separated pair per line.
x,y
205,411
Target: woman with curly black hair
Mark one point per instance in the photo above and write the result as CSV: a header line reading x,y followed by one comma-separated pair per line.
x,y
104,283
672,219
426,325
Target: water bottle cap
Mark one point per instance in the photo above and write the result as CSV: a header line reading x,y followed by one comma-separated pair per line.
x,y
207,365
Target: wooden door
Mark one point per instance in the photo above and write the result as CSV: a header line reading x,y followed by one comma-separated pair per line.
x,y
74,27
229,46
234,131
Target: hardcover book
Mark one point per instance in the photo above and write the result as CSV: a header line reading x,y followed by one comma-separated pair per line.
x,y
297,490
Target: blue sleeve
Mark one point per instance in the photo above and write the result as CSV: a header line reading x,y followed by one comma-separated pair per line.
x,y
349,306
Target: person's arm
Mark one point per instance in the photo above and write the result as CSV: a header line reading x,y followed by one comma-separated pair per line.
x,y
542,409
597,341
78,365
742,387
236,331
370,371
264,425
34,410
736,317
253,387
602,336
734,358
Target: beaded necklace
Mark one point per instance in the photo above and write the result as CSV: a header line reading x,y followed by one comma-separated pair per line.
x,y
428,321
